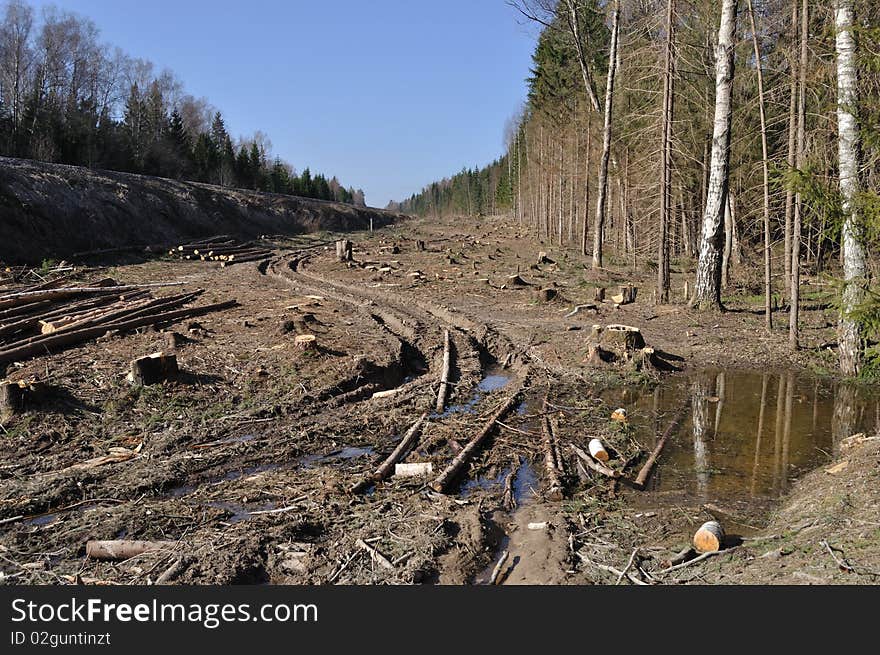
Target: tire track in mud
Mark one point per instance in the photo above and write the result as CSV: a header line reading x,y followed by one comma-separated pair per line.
x,y
423,323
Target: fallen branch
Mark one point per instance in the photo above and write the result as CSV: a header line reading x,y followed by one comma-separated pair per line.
x,y
444,376
598,467
552,465
699,558
496,577
121,549
445,479
386,468
375,555
842,563
642,477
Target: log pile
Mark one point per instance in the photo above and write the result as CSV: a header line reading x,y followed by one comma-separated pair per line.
x,y
224,249
41,321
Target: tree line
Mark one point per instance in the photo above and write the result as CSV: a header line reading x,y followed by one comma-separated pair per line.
x,y
732,134
68,98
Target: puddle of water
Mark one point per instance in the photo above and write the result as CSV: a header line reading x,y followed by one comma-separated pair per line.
x,y
492,381
238,513
46,519
525,483
346,454
229,476
745,434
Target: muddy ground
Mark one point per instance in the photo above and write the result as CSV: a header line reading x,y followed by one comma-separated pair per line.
x,y
248,458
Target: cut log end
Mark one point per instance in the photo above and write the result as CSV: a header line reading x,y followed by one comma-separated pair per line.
x,y
709,538
306,342
597,450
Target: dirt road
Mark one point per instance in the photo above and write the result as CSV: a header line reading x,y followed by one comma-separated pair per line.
x,y
248,459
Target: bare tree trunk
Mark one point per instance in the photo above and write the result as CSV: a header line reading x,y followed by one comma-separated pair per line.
x,y
793,331
707,292
728,244
666,159
586,230
601,202
854,267
790,160
765,167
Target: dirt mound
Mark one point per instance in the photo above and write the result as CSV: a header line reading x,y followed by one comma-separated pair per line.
x,y
54,211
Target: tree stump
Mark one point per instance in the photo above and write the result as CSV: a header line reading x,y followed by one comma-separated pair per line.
x,y
11,398
343,250
153,369
600,294
306,342
543,259
516,281
420,245
626,296
546,295
622,340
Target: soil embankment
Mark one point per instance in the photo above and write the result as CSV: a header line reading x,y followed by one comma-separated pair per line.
x,y
54,211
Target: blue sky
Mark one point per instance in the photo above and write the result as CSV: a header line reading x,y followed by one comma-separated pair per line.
x,y
386,94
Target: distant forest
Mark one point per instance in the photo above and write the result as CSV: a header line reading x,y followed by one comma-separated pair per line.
x,y
66,97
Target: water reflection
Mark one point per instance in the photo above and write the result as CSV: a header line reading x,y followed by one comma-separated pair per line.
x,y
747,433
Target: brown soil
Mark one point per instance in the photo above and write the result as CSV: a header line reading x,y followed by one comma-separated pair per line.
x,y
248,457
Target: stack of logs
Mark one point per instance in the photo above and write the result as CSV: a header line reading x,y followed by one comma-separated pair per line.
x,y
224,249
38,321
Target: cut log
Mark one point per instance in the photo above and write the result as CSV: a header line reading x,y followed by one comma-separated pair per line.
x,y
578,309
153,369
619,415
305,342
25,297
543,259
41,345
598,467
645,471
403,448
552,465
413,470
597,450
444,481
709,538
444,375
122,549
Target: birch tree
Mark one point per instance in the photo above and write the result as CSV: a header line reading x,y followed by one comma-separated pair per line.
x,y
707,293
601,200
854,265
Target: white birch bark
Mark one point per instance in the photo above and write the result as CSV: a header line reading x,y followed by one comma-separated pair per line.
x,y
707,292
854,268
601,200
